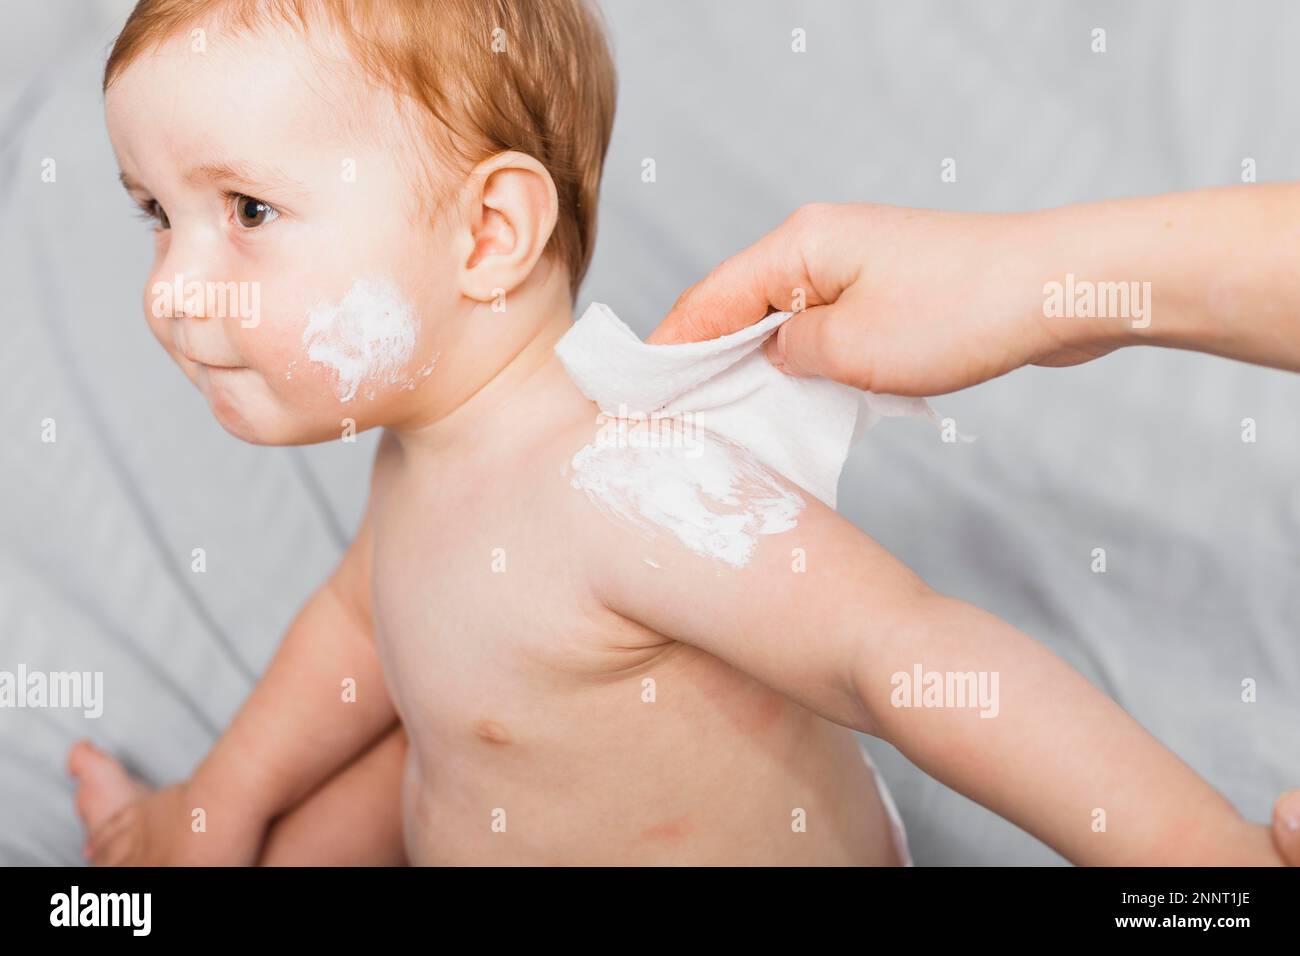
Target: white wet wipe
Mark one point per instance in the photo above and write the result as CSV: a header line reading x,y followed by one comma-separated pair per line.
x,y
706,492
367,337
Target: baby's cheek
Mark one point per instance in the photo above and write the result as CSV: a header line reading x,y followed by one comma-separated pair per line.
x,y
342,352
269,344
275,350
367,340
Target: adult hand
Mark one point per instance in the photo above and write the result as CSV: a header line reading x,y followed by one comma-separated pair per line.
x,y
919,302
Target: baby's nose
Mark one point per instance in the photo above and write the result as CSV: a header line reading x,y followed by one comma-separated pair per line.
x,y
192,260
178,295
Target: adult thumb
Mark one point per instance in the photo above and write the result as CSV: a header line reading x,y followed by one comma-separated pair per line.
x,y
715,306
1286,826
808,344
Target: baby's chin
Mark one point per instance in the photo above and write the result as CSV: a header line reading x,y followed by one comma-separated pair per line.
x,y
245,406
228,393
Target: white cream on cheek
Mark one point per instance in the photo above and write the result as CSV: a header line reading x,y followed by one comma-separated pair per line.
x,y
367,337
717,504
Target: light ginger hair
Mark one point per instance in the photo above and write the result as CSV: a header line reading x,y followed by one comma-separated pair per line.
x,y
529,75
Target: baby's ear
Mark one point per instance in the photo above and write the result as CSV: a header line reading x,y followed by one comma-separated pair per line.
x,y
510,211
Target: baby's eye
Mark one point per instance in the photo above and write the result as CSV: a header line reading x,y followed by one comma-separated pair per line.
x,y
153,211
251,213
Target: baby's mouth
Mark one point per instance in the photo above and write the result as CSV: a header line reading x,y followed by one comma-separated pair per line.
x,y
208,377
202,364
179,342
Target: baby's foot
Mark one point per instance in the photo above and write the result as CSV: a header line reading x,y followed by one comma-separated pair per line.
x,y
103,788
130,824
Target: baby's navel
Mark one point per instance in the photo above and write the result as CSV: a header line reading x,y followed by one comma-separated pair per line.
x,y
492,731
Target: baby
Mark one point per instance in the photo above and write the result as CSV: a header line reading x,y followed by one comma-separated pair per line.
x,y
499,671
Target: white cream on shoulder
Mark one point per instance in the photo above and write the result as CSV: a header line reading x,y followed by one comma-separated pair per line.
x,y
717,502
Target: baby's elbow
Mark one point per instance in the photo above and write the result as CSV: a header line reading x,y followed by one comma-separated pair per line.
x,y
889,655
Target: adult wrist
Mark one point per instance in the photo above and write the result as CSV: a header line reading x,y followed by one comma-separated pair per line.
x,y
1099,288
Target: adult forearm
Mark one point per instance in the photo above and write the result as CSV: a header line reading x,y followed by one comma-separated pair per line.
x,y
1215,270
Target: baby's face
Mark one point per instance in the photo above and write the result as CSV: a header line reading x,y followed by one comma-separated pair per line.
x,y
293,277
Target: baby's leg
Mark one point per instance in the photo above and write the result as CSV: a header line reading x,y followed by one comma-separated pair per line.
x,y
352,819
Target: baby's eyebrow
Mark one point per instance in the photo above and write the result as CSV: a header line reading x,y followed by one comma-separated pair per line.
x,y
232,173
236,173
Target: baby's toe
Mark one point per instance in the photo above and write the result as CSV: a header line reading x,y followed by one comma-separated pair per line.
x,y
80,755
104,786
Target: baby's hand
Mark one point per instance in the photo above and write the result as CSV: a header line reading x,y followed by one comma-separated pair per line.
x,y
130,825
1260,849
1286,827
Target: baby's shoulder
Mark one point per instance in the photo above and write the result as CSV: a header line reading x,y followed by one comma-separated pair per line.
x,y
588,477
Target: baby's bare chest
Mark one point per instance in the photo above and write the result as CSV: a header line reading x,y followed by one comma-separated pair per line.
x,y
483,615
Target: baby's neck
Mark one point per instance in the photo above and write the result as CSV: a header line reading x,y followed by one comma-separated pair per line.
x,y
526,393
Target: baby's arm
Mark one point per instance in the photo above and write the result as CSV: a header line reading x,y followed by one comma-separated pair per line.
x,y
296,728
831,637
1060,759
294,731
